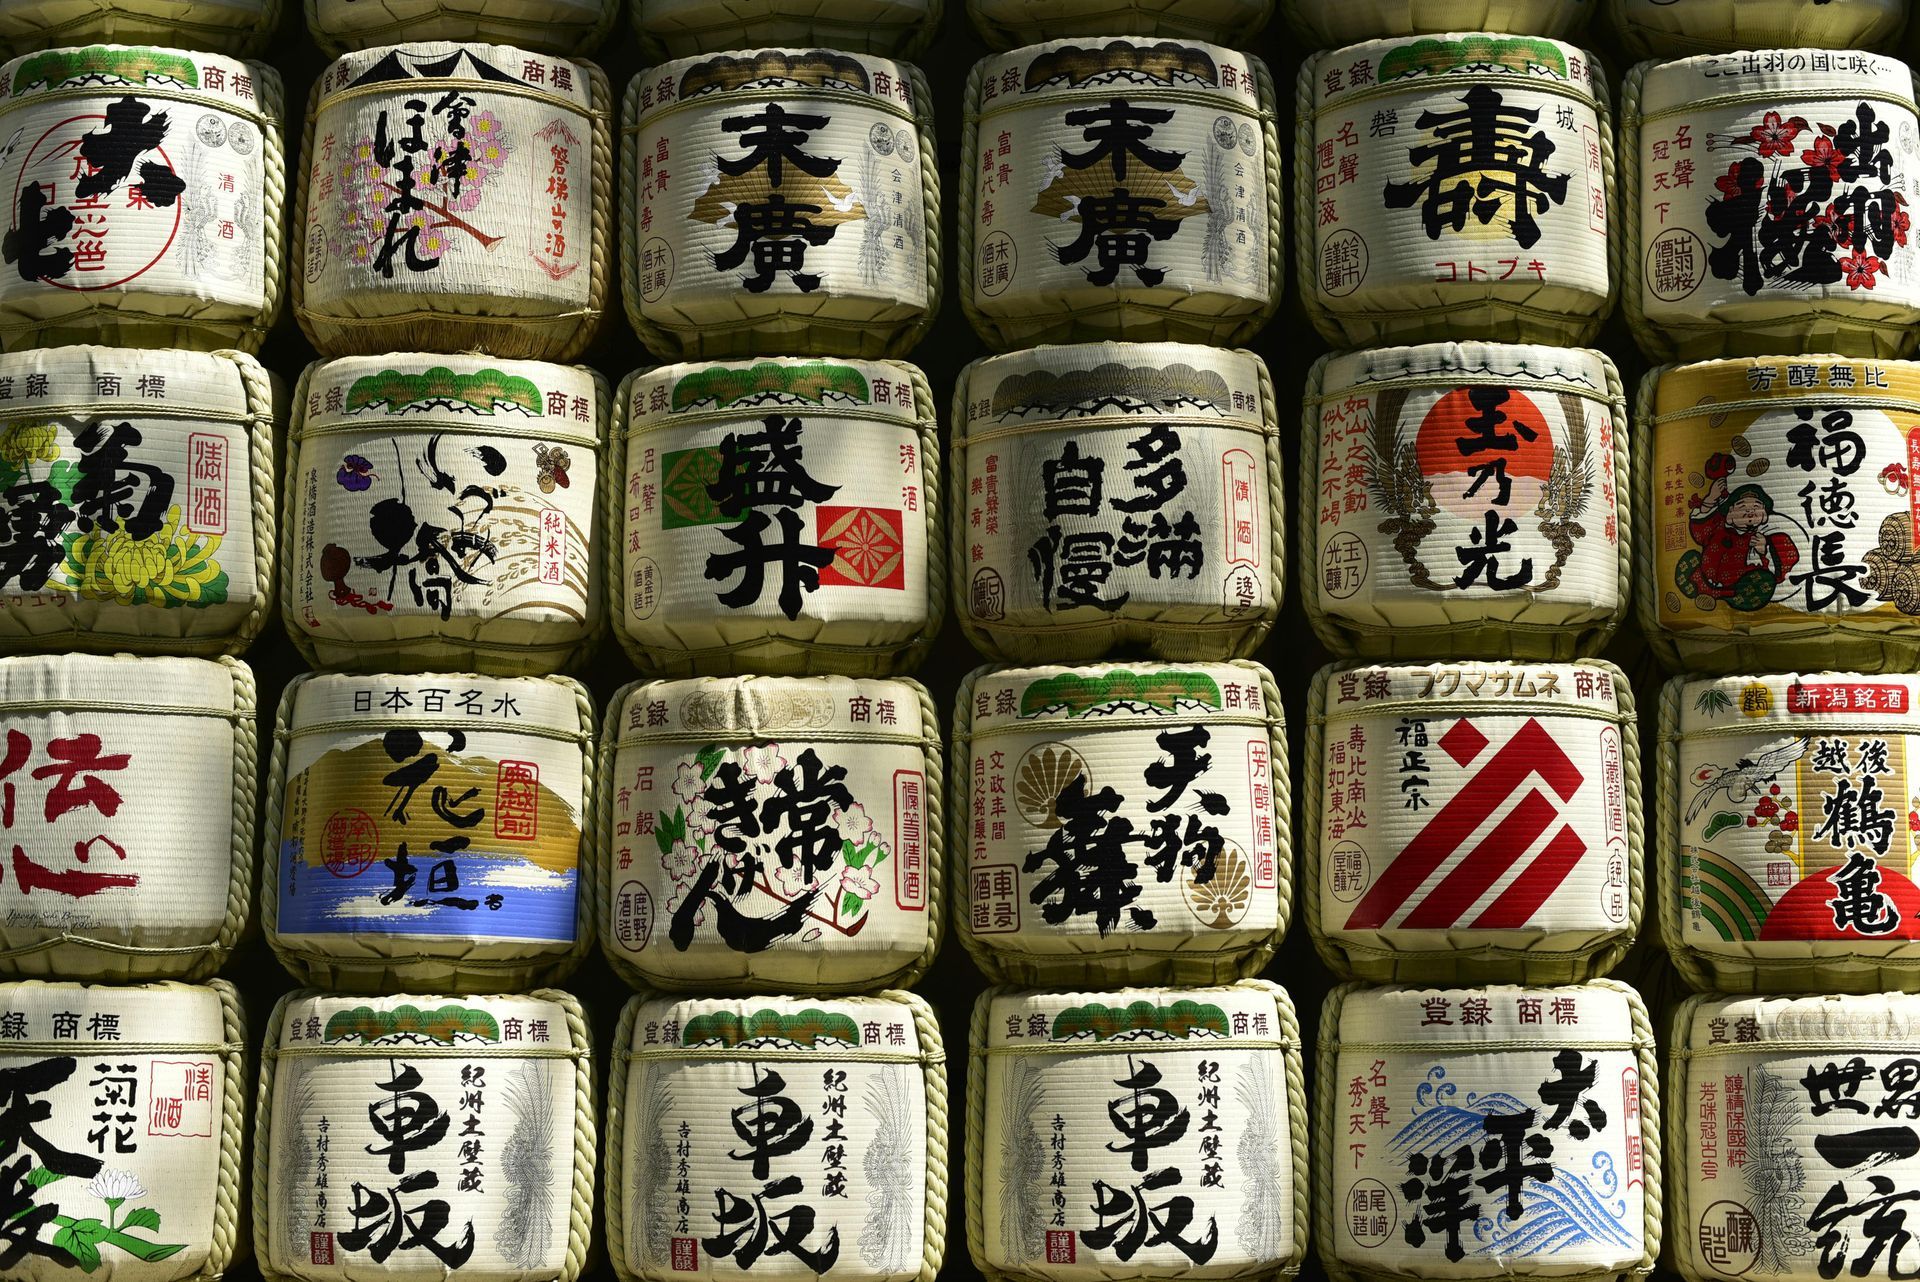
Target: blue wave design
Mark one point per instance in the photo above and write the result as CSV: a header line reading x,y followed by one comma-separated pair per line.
x,y
1445,1127
1554,1216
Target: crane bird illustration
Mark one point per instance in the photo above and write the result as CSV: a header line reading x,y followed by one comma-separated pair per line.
x,y
1746,778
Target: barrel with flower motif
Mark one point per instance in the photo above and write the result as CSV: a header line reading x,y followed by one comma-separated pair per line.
x,y
140,490
544,26
1769,202
454,197
1662,28
127,1121
1454,186
444,513
780,201
149,189
226,26
682,28
771,832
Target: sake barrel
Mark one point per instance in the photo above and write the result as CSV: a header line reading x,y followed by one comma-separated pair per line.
x,y
771,833
429,829
486,1106
138,775
1003,24
1120,188
1788,831
150,188
444,514
1395,244
1329,24
1526,1147
1203,1089
1118,494
128,1121
1656,28
1766,203
1473,821
780,516
227,26
846,1104
805,219
139,491
683,28
454,196
1124,823
1766,1085
541,26
1470,499
1787,513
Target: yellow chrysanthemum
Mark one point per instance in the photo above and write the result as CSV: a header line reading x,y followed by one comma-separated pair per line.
x,y
161,569
28,443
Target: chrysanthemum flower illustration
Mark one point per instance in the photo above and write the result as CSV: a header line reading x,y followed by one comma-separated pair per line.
x,y
114,1185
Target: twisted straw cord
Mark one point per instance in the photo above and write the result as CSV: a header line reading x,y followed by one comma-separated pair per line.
x,y
960,770
246,773
270,837
603,567
1294,1059
974,1199
585,1137
933,1072
233,1131
1268,100
613,515
265,508
295,501
602,853
1678,1072
1646,591
908,338
965,212
1693,966
1323,321
556,969
1647,1064
1331,952
263,1137
1609,957
1258,632
271,95
306,319
1325,1061
1625,504
613,1201
572,340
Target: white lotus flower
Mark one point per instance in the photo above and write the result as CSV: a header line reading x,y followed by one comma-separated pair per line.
x,y
115,1185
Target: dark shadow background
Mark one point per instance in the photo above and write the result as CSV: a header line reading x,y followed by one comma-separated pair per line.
x,y
1289,346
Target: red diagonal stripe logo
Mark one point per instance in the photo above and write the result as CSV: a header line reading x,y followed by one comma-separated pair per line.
x,y
1531,751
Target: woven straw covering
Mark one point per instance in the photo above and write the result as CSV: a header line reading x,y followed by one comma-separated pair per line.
x,y
1733,573
136,1151
1413,455
1710,145
139,872
1332,23
1052,1084
183,563
429,830
1413,1082
227,26
484,475
1661,28
337,1075
709,580
1786,847
509,257
1067,750
851,890
1189,507
723,265
545,26
683,28
1004,24
850,1093
178,244
1056,244
1384,249
1404,765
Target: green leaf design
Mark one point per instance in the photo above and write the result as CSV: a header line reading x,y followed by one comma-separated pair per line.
x,y
709,759
663,831
1713,700
850,904
851,857
1720,823
40,1177
141,1217
63,476
81,1240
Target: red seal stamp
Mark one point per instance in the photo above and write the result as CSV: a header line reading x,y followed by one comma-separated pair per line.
x,y
349,842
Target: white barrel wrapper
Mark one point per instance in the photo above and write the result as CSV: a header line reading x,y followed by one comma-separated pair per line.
x,y
827,245
424,1137
1788,827
546,26
771,832
1487,1132
1394,238
1118,494
127,793
429,830
149,193
1143,1133
780,516
1119,188
229,26
500,158
1329,24
1467,498
132,1168
1122,822
1769,196
443,513
1657,28
1473,821
844,1103
131,477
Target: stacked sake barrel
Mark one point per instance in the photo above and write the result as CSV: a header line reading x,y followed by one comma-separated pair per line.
x,y
144,262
